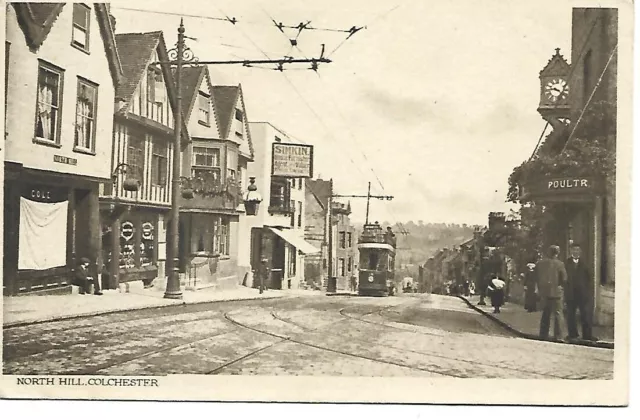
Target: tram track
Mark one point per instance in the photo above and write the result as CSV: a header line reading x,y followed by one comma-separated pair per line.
x,y
422,353
417,331
290,339
70,344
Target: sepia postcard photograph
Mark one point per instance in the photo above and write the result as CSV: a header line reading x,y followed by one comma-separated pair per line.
x,y
340,201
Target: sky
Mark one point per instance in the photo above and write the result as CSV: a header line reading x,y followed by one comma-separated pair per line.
x,y
434,103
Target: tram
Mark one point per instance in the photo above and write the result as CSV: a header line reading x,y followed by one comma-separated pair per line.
x,y
377,262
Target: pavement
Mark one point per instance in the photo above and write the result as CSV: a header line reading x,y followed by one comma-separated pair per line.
x,y
311,334
527,324
24,310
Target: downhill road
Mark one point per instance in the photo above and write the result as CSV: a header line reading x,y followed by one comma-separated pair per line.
x,y
406,335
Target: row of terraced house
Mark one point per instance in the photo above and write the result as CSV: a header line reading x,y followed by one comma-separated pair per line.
x,y
88,158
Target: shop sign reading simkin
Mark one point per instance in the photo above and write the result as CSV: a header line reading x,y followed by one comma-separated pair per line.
x,y
292,160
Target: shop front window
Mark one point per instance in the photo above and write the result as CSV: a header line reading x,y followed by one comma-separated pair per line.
x,y
127,244
222,236
137,241
147,243
210,234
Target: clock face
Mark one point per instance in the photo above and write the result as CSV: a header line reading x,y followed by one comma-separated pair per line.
x,y
556,90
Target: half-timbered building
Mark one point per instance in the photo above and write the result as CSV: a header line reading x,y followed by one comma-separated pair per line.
x,y
135,206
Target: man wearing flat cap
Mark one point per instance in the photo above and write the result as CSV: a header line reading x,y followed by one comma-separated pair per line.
x,y
83,279
551,276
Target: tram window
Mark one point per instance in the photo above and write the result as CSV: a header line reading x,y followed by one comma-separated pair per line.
x,y
373,261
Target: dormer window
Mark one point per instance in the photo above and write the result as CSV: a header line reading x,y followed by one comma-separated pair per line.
x,y
203,109
239,115
81,19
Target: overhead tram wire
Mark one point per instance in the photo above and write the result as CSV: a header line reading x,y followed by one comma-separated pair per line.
x,y
301,97
586,105
222,19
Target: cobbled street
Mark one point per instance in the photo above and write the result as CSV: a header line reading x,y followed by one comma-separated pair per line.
x,y
407,335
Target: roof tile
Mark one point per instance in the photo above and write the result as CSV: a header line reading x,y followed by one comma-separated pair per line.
x,y
135,50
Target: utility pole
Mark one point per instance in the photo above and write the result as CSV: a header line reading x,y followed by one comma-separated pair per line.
x,y
178,57
330,250
331,197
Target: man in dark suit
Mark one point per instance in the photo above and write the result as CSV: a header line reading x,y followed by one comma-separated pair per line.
x,y
578,294
551,277
82,278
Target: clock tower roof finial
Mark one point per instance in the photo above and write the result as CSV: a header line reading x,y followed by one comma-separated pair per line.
x,y
557,66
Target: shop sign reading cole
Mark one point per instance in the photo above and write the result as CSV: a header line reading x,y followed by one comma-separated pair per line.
x,y
292,160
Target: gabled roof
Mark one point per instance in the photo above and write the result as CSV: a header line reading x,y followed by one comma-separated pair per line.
x,y
225,99
191,81
320,189
37,19
557,66
136,50
192,77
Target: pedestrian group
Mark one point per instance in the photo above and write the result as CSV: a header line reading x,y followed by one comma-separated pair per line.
x,y
563,289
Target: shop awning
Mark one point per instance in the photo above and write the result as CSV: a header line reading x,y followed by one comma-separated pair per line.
x,y
296,241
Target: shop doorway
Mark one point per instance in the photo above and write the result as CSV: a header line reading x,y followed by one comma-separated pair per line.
x,y
277,268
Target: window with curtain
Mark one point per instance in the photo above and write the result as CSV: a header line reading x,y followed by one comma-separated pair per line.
x,y
159,163
203,108
135,158
81,19
48,112
86,106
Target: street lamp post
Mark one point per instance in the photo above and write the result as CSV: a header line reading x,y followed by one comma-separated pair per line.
x,y
180,56
173,279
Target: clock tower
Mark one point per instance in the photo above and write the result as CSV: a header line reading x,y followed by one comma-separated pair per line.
x,y
554,91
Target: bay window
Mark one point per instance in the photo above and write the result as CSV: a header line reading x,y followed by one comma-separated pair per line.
x,y
206,162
